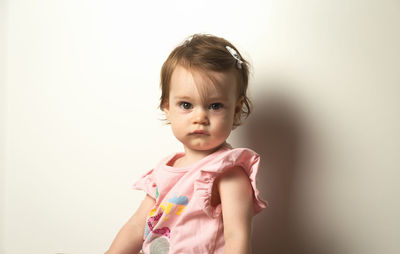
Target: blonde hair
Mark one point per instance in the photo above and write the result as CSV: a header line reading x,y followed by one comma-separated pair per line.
x,y
206,52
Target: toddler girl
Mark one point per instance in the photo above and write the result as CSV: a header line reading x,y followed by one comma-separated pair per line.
x,y
203,199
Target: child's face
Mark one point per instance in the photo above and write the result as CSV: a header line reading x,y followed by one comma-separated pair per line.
x,y
201,123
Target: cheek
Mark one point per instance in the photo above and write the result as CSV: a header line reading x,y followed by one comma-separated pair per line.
x,y
178,121
229,116
225,122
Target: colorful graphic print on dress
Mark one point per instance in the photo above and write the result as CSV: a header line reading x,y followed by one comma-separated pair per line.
x,y
159,246
174,206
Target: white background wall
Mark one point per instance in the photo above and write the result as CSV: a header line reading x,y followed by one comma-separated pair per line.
x,y
2,116
79,92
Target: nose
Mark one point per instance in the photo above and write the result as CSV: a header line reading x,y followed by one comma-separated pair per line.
x,y
200,116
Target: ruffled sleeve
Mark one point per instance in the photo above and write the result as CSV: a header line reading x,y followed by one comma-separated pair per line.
x,y
147,183
245,158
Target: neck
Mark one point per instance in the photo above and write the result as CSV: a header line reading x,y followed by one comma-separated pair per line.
x,y
192,156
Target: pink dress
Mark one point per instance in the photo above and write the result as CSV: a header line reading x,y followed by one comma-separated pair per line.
x,y
183,220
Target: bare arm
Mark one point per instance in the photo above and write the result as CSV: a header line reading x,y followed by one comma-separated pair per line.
x,y
130,237
236,196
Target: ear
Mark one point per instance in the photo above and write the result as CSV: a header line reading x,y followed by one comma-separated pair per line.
x,y
238,108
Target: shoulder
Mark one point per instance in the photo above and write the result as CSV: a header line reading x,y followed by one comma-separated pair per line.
x,y
235,177
236,157
225,160
240,154
234,183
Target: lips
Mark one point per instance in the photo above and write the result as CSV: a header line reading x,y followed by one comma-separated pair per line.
x,y
200,132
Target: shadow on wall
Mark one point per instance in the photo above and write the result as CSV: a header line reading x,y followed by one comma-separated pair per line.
x,y
275,131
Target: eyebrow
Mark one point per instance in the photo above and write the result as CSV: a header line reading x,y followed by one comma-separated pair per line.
x,y
182,97
216,98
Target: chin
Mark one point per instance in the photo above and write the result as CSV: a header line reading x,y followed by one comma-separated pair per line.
x,y
205,147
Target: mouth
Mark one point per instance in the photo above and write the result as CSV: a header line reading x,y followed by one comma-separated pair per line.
x,y
200,132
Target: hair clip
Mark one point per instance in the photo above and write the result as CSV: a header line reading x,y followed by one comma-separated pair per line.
x,y
236,56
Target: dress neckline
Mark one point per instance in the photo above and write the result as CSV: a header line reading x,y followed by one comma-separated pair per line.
x,y
178,155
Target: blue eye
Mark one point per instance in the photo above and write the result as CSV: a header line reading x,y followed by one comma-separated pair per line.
x,y
216,106
185,105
